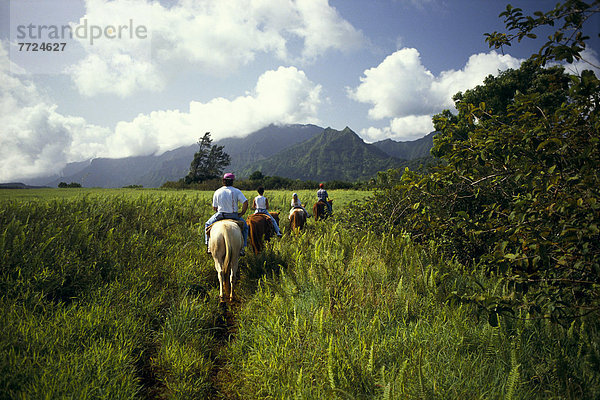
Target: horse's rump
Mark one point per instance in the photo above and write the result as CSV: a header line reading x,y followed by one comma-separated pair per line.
x,y
225,243
237,221
320,210
297,219
260,229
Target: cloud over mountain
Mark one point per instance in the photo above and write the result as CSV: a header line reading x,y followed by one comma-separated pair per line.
x,y
285,95
38,140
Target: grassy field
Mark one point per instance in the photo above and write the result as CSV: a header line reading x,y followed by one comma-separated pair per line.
x,y
279,199
110,294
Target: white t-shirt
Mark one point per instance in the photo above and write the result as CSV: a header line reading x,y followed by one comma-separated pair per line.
x,y
296,203
226,199
260,202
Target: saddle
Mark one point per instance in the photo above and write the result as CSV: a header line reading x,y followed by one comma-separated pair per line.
x,y
237,221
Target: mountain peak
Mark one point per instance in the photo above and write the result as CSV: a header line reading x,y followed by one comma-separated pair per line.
x,y
332,155
305,152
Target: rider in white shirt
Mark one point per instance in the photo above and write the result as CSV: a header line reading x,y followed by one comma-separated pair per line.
x,y
297,204
225,204
261,204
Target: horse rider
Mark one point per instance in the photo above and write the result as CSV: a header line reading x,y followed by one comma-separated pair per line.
x,y
323,196
225,203
261,206
297,204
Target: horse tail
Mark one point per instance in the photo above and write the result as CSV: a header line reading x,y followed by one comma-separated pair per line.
x,y
229,238
297,220
227,261
252,233
294,220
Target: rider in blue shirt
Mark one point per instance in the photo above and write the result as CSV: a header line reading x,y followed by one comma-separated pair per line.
x,y
323,196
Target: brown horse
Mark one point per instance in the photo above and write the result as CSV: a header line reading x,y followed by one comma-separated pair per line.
x,y
225,243
260,229
297,219
320,210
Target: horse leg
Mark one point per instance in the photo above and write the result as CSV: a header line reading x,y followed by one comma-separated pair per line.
x,y
227,288
232,280
221,282
231,283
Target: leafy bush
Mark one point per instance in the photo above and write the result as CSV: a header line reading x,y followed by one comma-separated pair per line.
x,y
517,191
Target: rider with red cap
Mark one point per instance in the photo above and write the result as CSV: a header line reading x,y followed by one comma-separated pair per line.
x,y
225,203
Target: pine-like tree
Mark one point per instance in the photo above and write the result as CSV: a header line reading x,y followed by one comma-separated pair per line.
x,y
209,161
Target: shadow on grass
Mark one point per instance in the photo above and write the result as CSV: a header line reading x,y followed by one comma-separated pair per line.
x,y
254,267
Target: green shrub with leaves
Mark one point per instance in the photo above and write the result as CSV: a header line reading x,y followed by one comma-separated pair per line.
x,y
517,190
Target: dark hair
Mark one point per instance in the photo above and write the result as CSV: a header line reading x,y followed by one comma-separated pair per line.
x,y
260,190
227,182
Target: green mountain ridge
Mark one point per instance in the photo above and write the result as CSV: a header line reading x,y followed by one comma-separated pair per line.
x,y
332,155
410,150
306,152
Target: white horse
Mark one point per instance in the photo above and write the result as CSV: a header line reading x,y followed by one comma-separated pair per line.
x,y
225,243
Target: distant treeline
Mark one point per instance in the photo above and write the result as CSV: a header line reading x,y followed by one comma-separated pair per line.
x,y
268,182
63,185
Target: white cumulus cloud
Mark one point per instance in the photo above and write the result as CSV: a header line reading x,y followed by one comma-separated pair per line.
x,y
37,140
280,96
404,91
212,36
589,60
407,128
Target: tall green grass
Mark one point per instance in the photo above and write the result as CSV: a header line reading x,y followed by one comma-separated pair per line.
x,y
96,295
113,296
354,316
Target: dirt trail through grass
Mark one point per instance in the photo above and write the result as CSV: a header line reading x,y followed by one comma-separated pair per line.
x,y
225,330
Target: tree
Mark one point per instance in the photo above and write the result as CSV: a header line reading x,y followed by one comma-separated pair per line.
x,y
209,161
517,193
565,44
256,176
521,189
69,185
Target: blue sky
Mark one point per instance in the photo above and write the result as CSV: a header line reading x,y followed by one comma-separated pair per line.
x,y
381,67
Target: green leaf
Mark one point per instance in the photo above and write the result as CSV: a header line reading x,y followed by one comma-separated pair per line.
x,y
547,142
